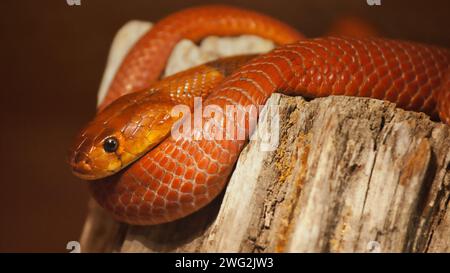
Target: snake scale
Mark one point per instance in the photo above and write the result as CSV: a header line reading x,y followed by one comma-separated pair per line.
x,y
144,176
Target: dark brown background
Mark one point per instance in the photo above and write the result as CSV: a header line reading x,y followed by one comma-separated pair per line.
x,y
52,59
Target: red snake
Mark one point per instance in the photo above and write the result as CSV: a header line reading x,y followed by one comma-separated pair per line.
x,y
178,176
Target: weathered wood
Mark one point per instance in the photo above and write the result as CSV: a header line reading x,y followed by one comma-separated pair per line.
x,y
347,175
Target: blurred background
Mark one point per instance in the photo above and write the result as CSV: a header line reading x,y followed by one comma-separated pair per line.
x,y
52,60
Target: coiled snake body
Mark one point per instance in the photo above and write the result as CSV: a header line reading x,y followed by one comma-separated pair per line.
x,y
169,178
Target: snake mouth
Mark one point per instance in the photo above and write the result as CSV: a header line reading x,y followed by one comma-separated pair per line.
x,y
85,172
90,177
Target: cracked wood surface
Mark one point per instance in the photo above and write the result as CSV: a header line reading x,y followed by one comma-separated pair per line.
x,y
346,175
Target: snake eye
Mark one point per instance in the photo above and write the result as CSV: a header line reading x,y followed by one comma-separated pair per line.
x,y
110,144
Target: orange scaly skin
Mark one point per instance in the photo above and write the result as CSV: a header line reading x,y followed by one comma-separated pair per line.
x,y
146,60
179,176
141,120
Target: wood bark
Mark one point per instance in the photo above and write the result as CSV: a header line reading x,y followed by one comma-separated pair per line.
x,y
342,175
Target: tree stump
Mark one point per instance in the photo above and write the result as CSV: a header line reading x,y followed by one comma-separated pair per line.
x,y
344,175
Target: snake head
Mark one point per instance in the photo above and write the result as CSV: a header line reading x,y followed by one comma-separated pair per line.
x,y
120,134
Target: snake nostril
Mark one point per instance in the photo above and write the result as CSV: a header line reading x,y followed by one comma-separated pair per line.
x,y
81,159
78,157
